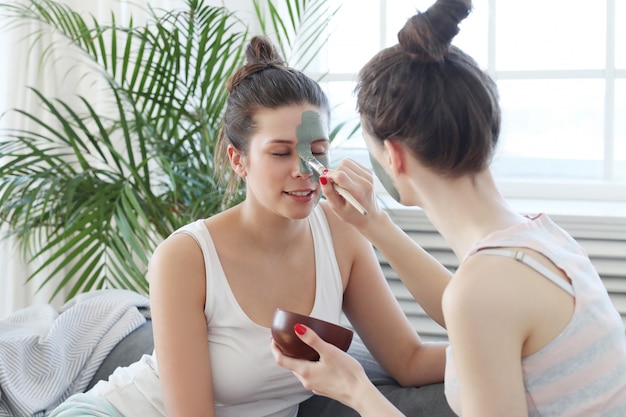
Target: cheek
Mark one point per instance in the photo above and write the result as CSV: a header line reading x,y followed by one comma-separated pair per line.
x,y
268,170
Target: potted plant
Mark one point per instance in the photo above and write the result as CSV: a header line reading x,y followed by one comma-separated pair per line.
x,y
95,191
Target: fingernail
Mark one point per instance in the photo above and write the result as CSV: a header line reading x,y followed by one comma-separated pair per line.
x,y
325,172
323,180
300,329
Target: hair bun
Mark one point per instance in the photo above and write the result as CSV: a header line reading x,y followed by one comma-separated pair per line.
x,y
427,36
260,55
262,51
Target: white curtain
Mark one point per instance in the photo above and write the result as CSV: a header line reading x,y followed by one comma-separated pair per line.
x,y
16,73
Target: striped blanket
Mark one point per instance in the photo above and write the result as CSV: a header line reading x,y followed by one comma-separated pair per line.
x,y
46,354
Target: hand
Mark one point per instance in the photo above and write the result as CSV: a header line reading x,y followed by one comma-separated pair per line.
x,y
336,375
359,181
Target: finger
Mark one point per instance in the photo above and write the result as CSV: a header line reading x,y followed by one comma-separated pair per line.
x,y
337,202
327,186
349,172
359,170
353,176
360,187
308,336
283,360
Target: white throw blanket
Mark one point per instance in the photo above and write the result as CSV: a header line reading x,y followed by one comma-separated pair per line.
x,y
47,355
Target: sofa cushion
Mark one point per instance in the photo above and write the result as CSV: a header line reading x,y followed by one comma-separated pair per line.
x,y
426,401
127,351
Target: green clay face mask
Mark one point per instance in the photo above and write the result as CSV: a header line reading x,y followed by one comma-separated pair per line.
x,y
384,178
312,128
379,171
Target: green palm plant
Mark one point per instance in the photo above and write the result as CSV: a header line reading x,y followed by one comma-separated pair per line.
x,y
97,189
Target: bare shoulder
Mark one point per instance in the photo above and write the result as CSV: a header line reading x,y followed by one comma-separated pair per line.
x,y
177,250
338,226
181,251
488,279
490,293
177,268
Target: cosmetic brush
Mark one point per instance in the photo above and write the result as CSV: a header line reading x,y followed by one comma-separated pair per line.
x,y
319,168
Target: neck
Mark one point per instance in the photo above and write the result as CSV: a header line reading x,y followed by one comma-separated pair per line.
x,y
465,210
267,230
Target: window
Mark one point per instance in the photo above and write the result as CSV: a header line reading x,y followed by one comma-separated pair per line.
x,y
561,71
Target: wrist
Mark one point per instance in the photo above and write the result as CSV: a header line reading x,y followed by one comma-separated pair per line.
x,y
362,396
378,222
370,402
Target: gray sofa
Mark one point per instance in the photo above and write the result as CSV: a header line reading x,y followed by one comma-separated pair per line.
x,y
413,402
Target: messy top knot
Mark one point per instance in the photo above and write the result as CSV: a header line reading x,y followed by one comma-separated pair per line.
x,y
264,82
427,36
432,96
260,54
262,51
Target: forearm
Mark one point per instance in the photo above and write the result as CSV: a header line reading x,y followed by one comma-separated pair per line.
x,y
424,276
368,401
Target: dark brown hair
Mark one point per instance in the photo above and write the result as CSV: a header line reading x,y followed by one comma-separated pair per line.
x,y
432,96
265,81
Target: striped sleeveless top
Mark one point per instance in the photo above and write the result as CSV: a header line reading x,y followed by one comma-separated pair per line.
x,y
582,372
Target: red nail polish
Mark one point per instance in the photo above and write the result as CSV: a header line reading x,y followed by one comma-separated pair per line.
x,y
325,172
300,329
323,180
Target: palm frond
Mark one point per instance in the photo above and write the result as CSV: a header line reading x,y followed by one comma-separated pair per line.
x,y
90,188
300,31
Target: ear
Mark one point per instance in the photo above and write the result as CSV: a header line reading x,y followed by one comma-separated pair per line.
x,y
237,161
396,156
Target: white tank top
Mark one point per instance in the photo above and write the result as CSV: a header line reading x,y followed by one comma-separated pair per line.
x,y
246,379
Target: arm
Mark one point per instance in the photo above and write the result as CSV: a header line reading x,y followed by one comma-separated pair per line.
x,y
177,296
337,375
487,327
424,277
377,317
421,273
379,320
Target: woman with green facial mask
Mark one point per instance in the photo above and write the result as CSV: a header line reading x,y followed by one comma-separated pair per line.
x,y
532,329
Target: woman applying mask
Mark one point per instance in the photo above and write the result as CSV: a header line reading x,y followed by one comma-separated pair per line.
x,y
531,327
216,283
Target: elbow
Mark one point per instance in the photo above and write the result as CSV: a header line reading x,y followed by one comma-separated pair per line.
x,y
427,366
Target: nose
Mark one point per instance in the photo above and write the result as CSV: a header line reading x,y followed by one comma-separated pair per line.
x,y
303,168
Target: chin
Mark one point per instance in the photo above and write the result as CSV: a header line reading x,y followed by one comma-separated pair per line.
x,y
298,216
300,213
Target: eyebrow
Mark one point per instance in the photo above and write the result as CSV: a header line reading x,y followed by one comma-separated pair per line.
x,y
280,141
291,142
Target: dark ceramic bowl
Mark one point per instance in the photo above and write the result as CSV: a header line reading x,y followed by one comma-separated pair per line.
x,y
289,343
